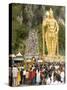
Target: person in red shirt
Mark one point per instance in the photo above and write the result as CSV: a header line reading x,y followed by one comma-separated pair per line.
x,y
30,75
34,77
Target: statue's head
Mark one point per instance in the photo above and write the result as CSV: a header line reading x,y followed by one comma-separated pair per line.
x,y
51,12
47,14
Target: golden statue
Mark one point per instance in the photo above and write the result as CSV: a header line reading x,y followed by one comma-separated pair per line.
x,y
50,30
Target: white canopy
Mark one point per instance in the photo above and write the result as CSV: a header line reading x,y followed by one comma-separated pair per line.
x,y
12,55
18,59
19,54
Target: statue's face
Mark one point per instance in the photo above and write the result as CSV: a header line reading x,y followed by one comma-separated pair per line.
x,y
51,15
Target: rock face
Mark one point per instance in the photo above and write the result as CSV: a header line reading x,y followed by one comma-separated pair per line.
x,y
32,44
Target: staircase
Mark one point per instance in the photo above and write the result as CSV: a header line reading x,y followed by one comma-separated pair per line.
x,y
32,44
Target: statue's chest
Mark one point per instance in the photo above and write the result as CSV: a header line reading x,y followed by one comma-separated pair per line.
x,y
51,23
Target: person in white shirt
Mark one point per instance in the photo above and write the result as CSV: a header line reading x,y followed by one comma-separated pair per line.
x,y
15,73
62,76
24,76
38,77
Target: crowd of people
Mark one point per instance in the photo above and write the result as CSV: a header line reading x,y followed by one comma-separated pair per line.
x,y
37,74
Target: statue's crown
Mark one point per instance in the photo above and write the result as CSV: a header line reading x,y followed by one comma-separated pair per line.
x,y
51,11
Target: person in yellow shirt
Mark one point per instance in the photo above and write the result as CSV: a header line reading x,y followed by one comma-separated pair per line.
x,y
18,77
